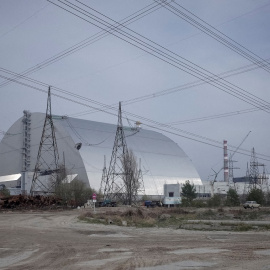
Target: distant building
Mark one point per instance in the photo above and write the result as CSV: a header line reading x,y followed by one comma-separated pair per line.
x,y
171,190
84,144
243,179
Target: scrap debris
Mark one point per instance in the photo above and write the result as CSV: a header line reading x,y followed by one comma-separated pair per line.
x,y
29,202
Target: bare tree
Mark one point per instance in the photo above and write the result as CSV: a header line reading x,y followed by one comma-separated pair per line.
x,y
130,178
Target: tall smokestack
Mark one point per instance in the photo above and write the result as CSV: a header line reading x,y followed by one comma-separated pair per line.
x,y
226,169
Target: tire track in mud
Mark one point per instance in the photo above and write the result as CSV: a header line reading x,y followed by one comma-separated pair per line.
x,y
61,241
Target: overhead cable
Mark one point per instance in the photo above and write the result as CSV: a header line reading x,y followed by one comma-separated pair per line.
x,y
162,53
107,109
211,31
90,40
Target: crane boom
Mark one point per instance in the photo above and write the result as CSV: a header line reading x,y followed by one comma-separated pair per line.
x,y
240,145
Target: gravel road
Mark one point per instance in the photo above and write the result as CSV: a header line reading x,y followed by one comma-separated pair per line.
x,y
58,240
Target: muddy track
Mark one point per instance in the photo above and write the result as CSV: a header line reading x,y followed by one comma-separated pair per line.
x,y
58,240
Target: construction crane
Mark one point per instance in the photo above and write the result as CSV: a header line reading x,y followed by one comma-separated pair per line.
x,y
240,144
215,179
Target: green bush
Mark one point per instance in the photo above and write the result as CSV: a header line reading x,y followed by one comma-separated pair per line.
x,y
215,201
267,198
4,192
198,203
76,192
256,194
232,198
207,214
242,227
189,193
185,202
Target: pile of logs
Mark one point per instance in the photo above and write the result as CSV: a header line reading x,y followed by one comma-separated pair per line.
x,y
29,202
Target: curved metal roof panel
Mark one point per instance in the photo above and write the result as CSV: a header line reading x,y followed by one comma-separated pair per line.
x,y
162,160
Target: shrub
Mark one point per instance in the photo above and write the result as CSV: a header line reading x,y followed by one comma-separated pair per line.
x,y
256,194
198,203
4,192
189,193
215,201
232,198
243,227
74,192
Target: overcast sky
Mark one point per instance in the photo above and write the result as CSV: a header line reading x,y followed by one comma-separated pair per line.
x,y
110,70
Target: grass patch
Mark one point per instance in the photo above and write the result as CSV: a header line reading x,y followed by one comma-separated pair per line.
x,y
266,227
172,221
242,227
92,220
177,217
207,214
145,223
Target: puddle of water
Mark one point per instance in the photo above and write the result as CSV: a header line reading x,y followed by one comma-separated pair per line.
x,y
12,259
197,251
179,266
263,252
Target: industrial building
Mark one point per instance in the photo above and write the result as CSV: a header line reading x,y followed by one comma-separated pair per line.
x,y
84,145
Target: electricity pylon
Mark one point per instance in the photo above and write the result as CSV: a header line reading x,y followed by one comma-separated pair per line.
x,y
231,169
254,170
141,188
104,177
123,181
45,176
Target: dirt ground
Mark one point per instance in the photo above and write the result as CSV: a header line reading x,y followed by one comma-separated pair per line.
x,y
58,240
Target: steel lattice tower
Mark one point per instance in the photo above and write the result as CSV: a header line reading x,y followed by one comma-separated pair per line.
x,y
254,169
104,177
122,183
231,169
26,148
47,158
141,188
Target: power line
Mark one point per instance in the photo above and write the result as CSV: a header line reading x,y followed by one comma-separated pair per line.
x,y
118,24
166,55
164,3
90,40
179,88
211,117
175,89
81,138
215,34
22,22
19,149
104,108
